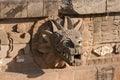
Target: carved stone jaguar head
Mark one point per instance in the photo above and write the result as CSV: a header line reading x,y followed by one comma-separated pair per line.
x,y
66,41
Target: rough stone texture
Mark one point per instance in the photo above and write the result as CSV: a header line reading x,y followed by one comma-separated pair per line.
x,y
42,8
13,10
82,6
4,38
50,7
86,73
106,31
117,72
28,8
3,51
35,9
113,5
89,6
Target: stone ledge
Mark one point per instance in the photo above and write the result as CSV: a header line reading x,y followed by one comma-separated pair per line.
x,y
74,73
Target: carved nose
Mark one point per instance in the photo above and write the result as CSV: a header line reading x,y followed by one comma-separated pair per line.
x,y
69,44
72,44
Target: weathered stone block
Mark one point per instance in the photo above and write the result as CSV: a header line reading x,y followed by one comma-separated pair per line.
x,y
97,26
85,73
97,39
14,0
13,9
113,5
108,37
97,19
89,6
50,76
109,33
117,73
107,70
66,75
50,8
35,9
117,17
108,28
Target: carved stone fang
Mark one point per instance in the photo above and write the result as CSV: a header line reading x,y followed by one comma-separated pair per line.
x,y
79,24
54,27
67,23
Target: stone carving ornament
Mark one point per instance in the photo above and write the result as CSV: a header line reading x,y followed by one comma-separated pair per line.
x,y
63,41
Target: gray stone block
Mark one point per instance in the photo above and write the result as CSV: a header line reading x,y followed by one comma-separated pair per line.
x,y
113,5
89,6
50,8
14,0
35,9
117,17
108,28
13,9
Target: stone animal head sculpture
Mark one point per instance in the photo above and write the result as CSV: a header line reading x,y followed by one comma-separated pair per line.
x,y
66,40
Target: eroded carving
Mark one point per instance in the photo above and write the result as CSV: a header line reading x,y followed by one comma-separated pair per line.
x,y
18,41
103,50
12,42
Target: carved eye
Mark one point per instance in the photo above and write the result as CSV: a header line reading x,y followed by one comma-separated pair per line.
x,y
79,43
79,40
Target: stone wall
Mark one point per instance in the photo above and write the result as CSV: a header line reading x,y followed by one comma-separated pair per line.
x,y
43,8
99,30
28,8
75,73
89,6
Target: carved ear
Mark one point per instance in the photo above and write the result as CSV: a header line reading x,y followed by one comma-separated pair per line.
x,y
56,26
67,23
78,26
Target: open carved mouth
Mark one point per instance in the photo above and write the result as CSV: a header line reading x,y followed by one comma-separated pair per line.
x,y
72,55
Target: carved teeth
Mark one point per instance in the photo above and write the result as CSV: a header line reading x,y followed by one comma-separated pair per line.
x,y
71,58
72,51
67,56
64,54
